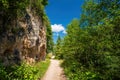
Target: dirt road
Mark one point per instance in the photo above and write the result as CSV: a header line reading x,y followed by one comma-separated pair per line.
x,y
54,72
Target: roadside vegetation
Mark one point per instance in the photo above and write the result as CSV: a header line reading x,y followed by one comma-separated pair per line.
x,y
90,49
24,71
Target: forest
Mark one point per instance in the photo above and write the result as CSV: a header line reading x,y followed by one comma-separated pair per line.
x,y
90,49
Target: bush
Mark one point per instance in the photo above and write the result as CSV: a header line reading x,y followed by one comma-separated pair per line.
x,y
24,71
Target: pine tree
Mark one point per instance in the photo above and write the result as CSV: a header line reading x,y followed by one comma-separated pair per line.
x,y
58,48
49,36
92,51
71,41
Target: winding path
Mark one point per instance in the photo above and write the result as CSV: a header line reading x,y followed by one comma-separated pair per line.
x,y
54,72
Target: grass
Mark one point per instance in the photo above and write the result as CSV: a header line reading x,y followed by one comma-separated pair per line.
x,y
24,71
42,66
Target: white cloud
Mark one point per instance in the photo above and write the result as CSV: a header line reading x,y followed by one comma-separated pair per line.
x,y
58,28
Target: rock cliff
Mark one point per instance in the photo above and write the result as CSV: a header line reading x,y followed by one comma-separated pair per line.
x,y
24,41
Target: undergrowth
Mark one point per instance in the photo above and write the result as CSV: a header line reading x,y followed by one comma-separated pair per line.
x,y
24,71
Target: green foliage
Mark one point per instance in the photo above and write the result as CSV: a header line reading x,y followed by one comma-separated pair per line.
x,y
91,46
12,10
3,73
24,71
49,36
7,4
57,49
38,6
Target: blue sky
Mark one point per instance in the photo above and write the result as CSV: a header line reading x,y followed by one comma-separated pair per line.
x,y
61,13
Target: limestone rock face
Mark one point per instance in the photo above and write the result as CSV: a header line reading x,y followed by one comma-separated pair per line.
x,y
25,41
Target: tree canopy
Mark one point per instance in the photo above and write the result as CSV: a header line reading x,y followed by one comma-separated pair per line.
x,y
91,47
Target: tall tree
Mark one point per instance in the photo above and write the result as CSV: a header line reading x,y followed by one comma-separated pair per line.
x,y
70,44
92,53
57,49
49,36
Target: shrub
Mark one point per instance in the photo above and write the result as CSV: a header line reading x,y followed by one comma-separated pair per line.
x,y
24,71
